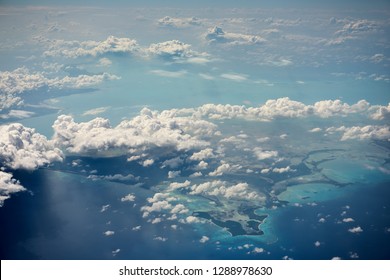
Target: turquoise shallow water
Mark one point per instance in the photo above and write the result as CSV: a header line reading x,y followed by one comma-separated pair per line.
x,y
307,193
353,171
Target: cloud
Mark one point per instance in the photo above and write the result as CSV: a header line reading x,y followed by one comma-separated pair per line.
x,y
21,147
362,132
217,35
203,154
355,230
353,255
233,140
281,62
17,114
81,81
221,189
169,74
178,22
379,112
109,233
174,49
8,100
177,185
179,209
263,139
114,178
105,208
354,27
258,250
95,111
148,162
317,244
204,239
159,238
156,221
158,203
261,154
172,163
206,76
115,252
8,186
287,108
161,202
377,58
316,129
283,169
173,174
224,168
201,165
234,77
282,22
160,132
73,49
191,220
137,228
104,62
170,50
196,174
21,80
352,30
348,220
130,197
329,108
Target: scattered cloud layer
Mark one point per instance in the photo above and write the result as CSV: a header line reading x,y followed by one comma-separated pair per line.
x,y
179,22
355,230
13,84
73,49
217,35
287,108
171,50
381,132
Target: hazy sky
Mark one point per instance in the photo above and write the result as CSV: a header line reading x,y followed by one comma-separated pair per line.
x,y
206,3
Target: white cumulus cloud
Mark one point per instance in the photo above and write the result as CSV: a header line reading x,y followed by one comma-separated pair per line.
x,y
109,233
362,132
240,191
8,186
148,131
111,45
130,197
224,168
261,154
22,147
217,35
204,239
355,230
